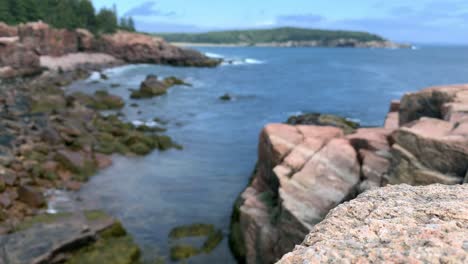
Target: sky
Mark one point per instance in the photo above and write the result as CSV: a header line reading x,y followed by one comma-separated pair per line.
x,y
416,21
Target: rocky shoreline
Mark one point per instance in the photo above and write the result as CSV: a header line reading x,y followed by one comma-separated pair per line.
x,y
340,43
308,167
51,139
29,48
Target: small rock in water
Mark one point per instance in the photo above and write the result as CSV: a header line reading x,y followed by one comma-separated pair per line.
x,y
160,121
226,97
104,76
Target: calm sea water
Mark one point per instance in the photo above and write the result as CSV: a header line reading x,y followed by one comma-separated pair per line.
x,y
199,184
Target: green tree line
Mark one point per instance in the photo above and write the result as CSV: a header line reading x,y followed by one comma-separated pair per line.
x,y
68,14
283,34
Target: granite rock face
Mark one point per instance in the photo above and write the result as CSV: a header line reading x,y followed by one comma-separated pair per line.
x,y
7,30
23,47
139,48
397,224
16,59
46,40
431,146
305,170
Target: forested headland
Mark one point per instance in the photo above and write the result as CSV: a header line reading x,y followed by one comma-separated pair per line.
x,y
68,14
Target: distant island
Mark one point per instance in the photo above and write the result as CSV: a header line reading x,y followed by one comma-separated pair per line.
x,y
283,37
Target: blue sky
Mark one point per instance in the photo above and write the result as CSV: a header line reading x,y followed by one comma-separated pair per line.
x,y
423,21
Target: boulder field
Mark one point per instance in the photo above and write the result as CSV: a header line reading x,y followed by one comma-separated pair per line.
x,y
27,48
53,140
308,167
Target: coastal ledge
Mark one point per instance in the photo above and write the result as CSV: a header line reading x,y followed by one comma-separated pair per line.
x,y
304,170
398,224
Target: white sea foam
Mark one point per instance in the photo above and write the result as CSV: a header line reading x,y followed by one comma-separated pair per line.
x,y
214,55
58,201
355,120
139,123
95,76
151,124
241,61
121,69
297,113
253,61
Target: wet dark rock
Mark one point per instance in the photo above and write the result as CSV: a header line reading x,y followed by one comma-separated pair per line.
x,y
172,80
78,162
103,76
140,148
101,100
226,97
152,86
160,121
145,128
318,119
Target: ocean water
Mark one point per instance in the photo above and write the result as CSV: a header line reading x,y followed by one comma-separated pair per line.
x,y
199,184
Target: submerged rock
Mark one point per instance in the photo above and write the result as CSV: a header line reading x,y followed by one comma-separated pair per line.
x,y
183,251
393,224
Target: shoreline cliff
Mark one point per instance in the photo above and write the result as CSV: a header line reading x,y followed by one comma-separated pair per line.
x,y
29,49
310,166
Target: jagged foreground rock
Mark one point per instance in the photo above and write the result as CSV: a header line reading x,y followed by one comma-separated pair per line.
x,y
304,171
397,224
432,144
